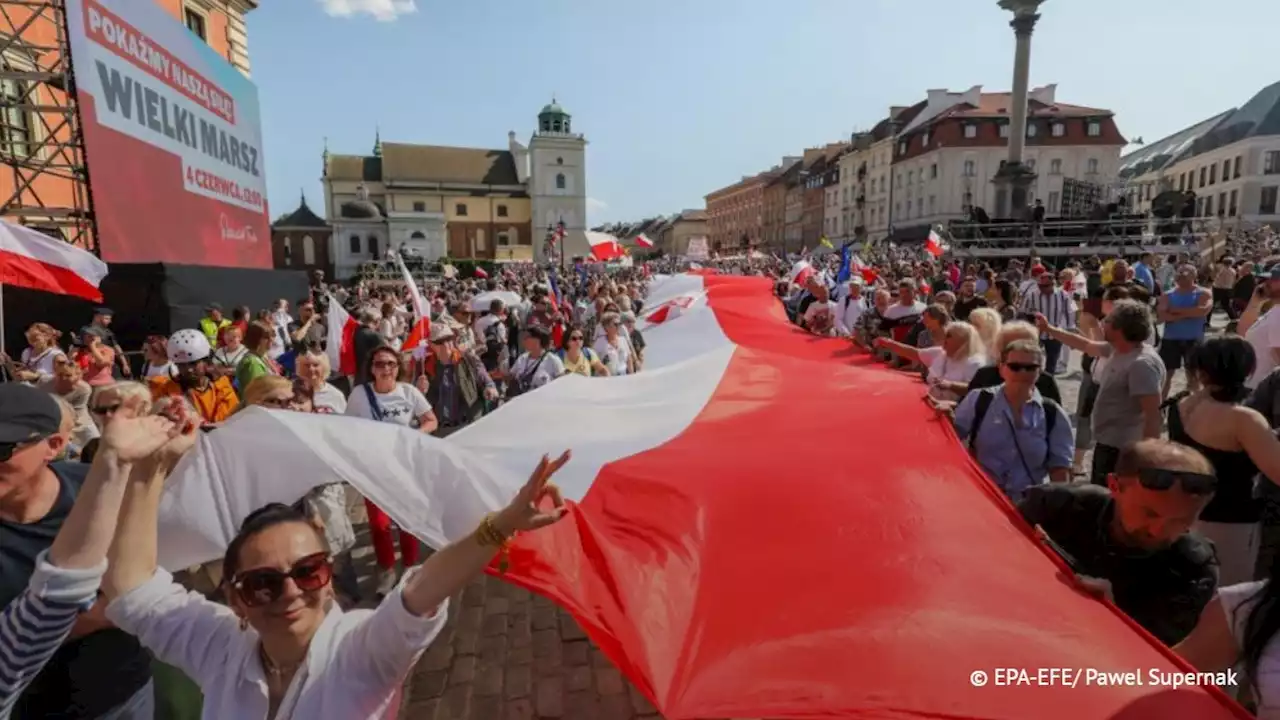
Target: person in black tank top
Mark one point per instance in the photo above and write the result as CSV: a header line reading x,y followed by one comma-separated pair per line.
x,y
1232,519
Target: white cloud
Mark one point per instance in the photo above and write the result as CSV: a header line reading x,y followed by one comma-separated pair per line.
x,y
382,10
595,207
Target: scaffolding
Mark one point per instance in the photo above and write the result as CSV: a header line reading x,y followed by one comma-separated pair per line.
x,y
41,143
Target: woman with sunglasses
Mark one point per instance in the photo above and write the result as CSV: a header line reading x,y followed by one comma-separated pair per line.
x,y
386,399
270,391
579,359
284,648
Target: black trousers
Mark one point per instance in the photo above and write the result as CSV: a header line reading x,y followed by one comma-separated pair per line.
x,y
1104,463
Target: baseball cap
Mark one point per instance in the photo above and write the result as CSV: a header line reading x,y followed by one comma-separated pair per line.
x,y
104,311
27,414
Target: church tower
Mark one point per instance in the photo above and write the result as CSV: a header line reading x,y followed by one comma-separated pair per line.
x,y
558,182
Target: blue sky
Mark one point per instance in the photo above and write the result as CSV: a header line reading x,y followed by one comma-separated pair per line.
x,y
680,97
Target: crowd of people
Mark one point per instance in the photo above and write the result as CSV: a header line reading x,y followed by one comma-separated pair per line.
x,y
1164,502
92,628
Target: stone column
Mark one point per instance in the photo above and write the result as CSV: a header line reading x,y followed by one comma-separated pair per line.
x,y
1014,178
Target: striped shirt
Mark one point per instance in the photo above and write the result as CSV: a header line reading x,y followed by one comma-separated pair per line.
x,y
1057,307
34,624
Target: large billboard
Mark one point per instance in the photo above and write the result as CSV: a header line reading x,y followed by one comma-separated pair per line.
x,y
173,140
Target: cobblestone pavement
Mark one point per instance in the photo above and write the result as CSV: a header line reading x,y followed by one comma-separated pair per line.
x,y
509,655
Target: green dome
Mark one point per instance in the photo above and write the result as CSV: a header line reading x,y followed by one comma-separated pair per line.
x,y
552,109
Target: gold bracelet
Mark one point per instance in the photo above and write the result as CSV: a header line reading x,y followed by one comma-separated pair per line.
x,y
489,534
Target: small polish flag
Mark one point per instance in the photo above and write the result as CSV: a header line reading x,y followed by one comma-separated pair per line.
x,y
801,272
643,241
934,245
30,259
480,273
422,316
342,327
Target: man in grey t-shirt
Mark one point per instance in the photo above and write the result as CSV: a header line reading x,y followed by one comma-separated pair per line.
x,y
1128,405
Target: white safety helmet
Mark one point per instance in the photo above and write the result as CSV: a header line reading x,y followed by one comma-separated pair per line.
x,y
188,346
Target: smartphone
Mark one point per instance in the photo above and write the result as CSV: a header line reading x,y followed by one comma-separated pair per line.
x,y
1062,553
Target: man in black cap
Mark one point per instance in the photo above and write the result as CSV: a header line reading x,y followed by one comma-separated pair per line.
x,y
100,672
101,325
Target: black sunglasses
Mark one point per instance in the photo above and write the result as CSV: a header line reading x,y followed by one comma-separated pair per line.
x,y
106,410
1192,483
7,450
1023,367
263,586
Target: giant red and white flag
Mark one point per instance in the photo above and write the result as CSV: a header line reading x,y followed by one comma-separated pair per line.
x,y
30,259
604,246
341,344
715,549
643,241
421,330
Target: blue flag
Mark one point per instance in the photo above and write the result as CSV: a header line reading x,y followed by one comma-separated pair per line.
x,y
846,262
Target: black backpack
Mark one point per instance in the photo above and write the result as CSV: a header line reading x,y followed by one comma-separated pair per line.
x,y
983,404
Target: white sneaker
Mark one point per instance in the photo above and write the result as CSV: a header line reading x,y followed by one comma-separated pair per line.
x,y
387,580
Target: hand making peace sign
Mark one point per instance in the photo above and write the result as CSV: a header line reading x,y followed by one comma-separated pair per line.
x,y
524,513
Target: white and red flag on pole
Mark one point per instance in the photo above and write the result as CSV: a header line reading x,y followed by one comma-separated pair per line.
x,y
421,329
341,344
604,246
801,272
935,245
30,259
725,576
643,241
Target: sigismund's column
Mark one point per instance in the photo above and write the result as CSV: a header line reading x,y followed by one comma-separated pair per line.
x,y
1014,177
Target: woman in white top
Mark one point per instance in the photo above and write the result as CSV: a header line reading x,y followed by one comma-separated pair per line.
x,y
41,358
227,358
614,348
155,358
1238,628
951,366
283,649
388,400
313,373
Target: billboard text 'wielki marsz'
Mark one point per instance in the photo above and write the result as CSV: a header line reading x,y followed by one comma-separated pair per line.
x,y
173,139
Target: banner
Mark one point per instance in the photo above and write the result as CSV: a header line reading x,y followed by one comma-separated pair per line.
x,y
172,139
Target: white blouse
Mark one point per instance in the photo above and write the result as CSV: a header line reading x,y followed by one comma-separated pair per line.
x,y
354,670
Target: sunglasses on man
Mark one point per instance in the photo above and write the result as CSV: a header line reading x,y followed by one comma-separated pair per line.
x,y
8,450
1192,483
263,586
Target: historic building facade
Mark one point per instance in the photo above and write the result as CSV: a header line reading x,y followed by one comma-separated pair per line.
x,y
436,201
735,214
301,241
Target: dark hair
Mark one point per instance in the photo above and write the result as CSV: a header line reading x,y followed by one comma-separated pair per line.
x,y
1005,289
259,521
1226,361
937,312
1117,292
539,332
256,334
569,331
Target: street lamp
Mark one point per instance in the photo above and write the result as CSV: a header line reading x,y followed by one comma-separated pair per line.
x,y
1014,177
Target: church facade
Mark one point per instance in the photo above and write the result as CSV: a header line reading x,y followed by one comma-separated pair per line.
x,y
449,202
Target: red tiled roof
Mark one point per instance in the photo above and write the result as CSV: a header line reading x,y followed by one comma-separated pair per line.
x,y
997,105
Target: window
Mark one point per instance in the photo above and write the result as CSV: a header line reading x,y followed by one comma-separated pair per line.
x,y
355,245
308,250
15,122
902,148
1052,205
1182,182
932,203
1236,172
1208,205
1267,204
1226,170
288,250
968,199
1092,167
1055,166
560,182
933,171
373,246
460,209
1094,129
1031,130
924,139
1058,130
1235,194
1222,203
1031,165
971,131
846,195
1271,163
1204,175
419,207
1213,173
559,161
920,207
195,23
1004,130
969,169
911,177
502,211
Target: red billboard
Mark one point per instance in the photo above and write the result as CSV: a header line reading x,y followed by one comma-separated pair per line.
x,y
172,137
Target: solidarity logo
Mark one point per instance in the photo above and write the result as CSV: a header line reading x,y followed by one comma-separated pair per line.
x,y
671,309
